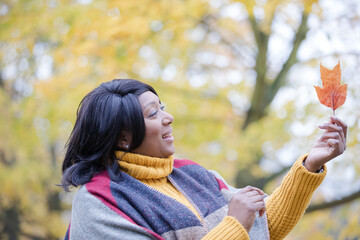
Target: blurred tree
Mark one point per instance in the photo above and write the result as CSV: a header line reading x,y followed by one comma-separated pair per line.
x,y
236,75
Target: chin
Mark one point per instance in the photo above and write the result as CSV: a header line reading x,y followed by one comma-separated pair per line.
x,y
169,152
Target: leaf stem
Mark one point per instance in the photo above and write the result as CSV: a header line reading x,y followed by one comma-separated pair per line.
x,y
332,102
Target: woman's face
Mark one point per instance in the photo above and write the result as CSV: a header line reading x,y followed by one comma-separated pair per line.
x,y
158,140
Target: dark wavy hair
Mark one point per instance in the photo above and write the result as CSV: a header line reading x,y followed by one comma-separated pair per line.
x,y
102,116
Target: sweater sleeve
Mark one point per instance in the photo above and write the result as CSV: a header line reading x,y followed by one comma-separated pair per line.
x,y
288,202
91,219
229,228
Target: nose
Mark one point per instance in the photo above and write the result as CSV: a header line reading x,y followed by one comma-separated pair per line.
x,y
168,118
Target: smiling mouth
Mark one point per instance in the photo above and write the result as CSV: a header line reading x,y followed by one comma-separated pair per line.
x,y
166,136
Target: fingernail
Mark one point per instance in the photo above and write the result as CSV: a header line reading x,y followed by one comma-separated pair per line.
x,y
320,125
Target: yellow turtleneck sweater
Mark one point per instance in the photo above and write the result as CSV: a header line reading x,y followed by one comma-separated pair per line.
x,y
284,207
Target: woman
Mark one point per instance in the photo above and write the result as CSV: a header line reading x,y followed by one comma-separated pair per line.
x,y
121,154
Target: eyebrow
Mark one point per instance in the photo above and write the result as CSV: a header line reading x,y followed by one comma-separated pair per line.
x,y
151,103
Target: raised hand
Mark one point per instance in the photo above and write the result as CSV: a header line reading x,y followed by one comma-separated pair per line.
x,y
331,144
244,205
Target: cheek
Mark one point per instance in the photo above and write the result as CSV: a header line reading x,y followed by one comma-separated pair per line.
x,y
152,131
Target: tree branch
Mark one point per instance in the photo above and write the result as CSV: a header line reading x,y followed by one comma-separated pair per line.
x,y
334,203
271,177
1,81
236,48
7,161
299,37
264,93
244,177
258,100
255,29
53,157
30,236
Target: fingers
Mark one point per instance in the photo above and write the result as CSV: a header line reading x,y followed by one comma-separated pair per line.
x,y
333,141
251,188
255,196
335,124
261,212
336,146
244,205
331,144
259,206
334,136
340,123
331,135
333,127
257,199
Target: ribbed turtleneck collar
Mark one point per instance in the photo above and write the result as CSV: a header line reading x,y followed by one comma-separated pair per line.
x,y
144,167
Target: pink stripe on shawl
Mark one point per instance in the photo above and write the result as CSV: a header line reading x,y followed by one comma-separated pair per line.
x,y
183,162
222,185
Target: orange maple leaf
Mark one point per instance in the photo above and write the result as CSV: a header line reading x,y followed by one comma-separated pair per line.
x,y
333,94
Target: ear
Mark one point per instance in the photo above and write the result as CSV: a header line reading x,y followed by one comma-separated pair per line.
x,y
124,140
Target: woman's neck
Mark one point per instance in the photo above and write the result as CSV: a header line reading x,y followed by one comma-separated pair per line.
x,y
144,167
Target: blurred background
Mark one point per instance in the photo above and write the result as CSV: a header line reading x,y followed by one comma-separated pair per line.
x,y
237,76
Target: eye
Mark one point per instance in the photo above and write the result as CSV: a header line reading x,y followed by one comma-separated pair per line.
x,y
153,113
